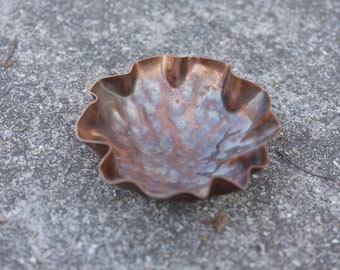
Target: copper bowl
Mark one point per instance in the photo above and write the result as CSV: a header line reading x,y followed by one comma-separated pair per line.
x,y
179,127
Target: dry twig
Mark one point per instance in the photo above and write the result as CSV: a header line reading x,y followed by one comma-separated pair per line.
x,y
300,168
3,220
7,63
219,221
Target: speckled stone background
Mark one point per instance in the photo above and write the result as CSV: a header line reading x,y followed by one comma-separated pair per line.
x,y
56,212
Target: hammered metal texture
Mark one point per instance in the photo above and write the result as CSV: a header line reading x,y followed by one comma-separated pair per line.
x,y
177,127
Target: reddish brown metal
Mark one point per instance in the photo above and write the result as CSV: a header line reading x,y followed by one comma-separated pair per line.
x,y
177,127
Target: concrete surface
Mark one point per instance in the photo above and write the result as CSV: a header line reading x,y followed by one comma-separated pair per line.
x,y
55,211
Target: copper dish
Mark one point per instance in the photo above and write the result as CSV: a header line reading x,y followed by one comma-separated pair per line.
x,y
179,127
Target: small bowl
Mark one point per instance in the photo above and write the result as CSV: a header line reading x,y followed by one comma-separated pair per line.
x,y
179,127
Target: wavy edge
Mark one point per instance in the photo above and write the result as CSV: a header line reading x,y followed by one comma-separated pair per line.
x,y
182,194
